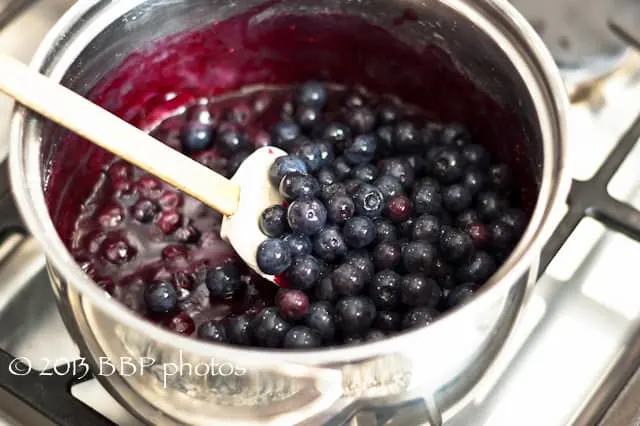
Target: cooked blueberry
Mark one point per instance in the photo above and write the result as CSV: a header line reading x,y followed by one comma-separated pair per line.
x,y
419,317
284,133
354,315
328,191
273,221
273,257
326,176
398,208
375,336
501,236
447,165
347,280
320,319
443,274
399,169
426,228
326,153
298,244
474,180
308,116
307,216
385,289
300,337
365,172
196,137
324,290
456,198
500,178
117,250
292,304
145,211
419,256
406,137
309,152
427,197
389,186
359,232
224,281
312,93
285,165
477,269
341,168
368,200
160,297
476,155
489,206
387,255
455,134
351,185
387,321
235,161
337,133
268,328
360,149
304,272
239,330
329,245
212,331
515,219
296,185
416,290
231,141
385,230
460,295
455,245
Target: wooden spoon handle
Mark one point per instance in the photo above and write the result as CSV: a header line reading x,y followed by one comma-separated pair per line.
x,y
73,112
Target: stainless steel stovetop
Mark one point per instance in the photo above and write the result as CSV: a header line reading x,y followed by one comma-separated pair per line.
x,y
573,358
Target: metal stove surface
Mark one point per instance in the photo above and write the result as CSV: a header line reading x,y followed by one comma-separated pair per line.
x,y
570,356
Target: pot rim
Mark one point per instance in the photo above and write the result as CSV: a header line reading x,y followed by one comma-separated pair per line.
x,y
518,40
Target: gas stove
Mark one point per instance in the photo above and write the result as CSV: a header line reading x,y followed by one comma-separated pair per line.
x,y
573,357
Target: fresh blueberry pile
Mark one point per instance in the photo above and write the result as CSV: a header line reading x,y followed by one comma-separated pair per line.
x,y
387,222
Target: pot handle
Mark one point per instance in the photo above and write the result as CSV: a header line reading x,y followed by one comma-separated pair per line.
x,y
10,220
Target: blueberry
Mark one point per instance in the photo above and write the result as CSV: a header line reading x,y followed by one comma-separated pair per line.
x,y
501,236
292,304
354,100
212,331
447,165
328,191
398,208
385,139
368,200
239,330
324,290
419,256
361,260
160,297
196,137
308,116
385,230
285,165
387,255
145,211
352,340
329,245
443,274
385,290
361,119
304,272
347,280
284,133
500,178
387,321
235,161
477,269
326,176
460,295
417,163
341,168
515,219
455,244
340,208
294,186
307,216
224,281
354,315
407,137
359,232
430,134
416,290
351,185
273,221
387,114
309,152
365,172
337,133
399,169
231,141
467,218
489,206
326,153
361,149
455,134
300,337
426,228
389,186
299,244
374,336
404,228
419,317
474,180
456,198
273,257
427,197
320,319
312,93
268,328
476,155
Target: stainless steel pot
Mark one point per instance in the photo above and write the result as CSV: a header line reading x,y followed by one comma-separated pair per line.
x,y
488,39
